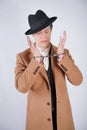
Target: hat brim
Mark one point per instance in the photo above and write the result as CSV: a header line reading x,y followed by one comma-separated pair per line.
x,y
31,31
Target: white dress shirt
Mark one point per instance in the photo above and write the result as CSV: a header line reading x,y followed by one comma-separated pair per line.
x,y
45,52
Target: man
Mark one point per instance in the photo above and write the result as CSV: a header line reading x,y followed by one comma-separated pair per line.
x,y
40,71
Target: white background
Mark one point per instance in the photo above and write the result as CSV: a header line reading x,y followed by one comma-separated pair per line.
x,y
72,17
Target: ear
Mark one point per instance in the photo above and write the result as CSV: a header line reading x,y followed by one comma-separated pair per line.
x,y
51,26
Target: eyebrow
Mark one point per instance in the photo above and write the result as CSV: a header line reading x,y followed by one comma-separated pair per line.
x,y
46,29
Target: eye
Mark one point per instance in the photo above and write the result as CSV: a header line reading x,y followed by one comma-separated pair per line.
x,y
38,32
47,31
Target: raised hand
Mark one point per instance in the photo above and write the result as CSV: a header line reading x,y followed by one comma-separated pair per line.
x,y
34,50
60,49
61,45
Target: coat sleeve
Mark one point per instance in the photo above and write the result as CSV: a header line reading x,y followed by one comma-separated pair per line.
x,y
72,72
26,75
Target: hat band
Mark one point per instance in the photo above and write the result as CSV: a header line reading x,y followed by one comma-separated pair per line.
x,y
39,23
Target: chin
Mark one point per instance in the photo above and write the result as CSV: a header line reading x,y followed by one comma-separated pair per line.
x,y
44,47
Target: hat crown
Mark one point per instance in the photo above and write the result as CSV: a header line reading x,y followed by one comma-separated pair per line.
x,y
39,18
38,21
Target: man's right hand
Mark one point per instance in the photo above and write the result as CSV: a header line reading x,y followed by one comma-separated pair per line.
x,y
34,50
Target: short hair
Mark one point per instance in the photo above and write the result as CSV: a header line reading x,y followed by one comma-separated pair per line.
x,y
51,26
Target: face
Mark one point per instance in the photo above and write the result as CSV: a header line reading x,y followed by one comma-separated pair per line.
x,y
42,38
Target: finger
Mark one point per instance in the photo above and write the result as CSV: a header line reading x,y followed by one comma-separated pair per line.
x,y
30,43
61,39
28,40
59,45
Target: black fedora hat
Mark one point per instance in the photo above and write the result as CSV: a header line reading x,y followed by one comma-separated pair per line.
x,y
38,22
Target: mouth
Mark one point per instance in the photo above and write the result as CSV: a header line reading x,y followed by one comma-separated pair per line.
x,y
44,41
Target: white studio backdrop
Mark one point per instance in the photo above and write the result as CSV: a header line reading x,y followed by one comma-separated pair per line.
x,y
72,17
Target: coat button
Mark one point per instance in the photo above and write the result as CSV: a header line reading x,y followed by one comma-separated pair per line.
x,y
49,119
48,103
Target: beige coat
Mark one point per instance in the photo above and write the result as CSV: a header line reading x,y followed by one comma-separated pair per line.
x,y
31,77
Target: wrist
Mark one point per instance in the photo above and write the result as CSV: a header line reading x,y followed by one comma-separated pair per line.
x,y
60,56
39,59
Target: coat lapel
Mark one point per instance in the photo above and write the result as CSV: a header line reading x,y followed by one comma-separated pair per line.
x,y
44,75
53,65
43,71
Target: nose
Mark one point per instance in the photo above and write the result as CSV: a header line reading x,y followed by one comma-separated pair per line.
x,y
43,35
